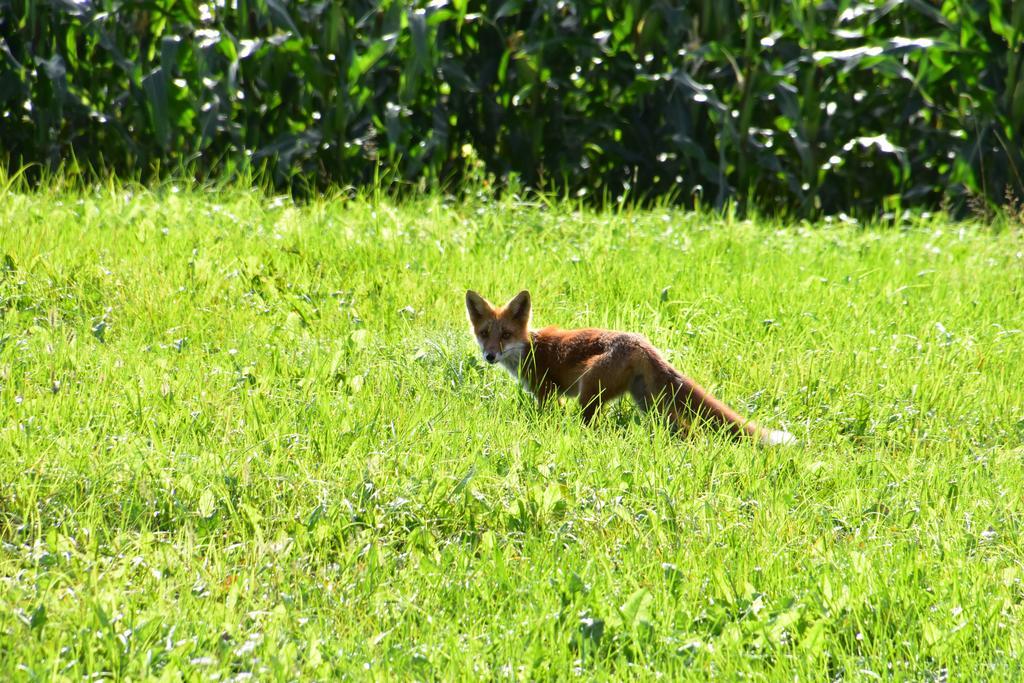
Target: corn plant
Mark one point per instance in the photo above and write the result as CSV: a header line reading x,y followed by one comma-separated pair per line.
x,y
791,107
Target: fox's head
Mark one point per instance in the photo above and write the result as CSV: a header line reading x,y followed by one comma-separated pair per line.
x,y
502,332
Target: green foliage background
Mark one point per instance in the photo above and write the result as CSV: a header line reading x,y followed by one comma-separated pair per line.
x,y
802,107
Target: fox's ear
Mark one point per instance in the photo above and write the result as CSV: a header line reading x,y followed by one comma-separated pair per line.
x,y
477,307
519,307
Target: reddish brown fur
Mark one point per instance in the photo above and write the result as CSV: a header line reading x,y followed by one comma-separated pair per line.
x,y
596,366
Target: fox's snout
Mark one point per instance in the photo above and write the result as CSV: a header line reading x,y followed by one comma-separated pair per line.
x,y
490,357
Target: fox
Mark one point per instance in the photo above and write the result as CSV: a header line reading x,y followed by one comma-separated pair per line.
x,y
598,366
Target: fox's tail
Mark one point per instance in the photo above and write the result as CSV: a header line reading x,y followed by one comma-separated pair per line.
x,y
691,398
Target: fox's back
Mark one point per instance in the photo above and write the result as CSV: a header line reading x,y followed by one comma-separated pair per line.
x,y
569,345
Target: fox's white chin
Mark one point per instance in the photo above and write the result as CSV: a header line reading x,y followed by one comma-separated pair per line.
x,y
511,357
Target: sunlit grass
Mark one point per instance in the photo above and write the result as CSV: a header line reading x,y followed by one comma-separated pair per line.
x,y
240,436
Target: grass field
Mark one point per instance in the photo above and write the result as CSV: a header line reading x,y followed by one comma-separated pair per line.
x,y
244,438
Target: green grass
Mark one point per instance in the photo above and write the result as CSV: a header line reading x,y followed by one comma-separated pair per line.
x,y
239,436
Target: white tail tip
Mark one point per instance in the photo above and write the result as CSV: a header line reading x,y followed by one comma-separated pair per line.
x,y
778,437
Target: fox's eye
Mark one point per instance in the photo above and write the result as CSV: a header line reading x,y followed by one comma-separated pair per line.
x,y
483,335
506,335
